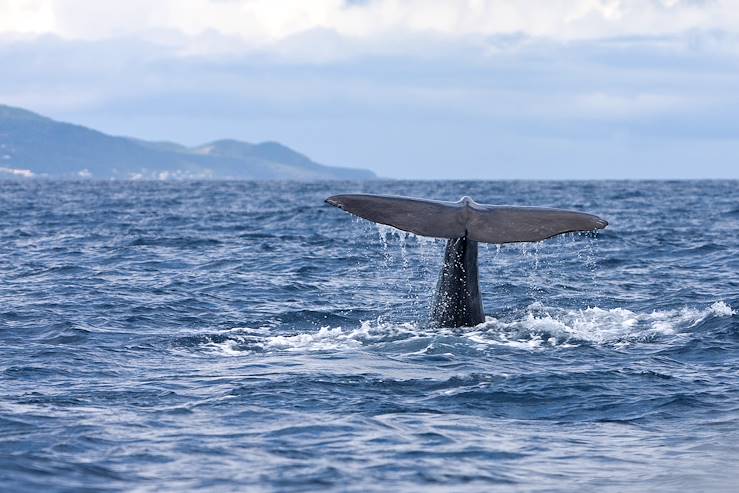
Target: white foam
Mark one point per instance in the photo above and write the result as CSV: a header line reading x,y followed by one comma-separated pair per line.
x,y
229,347
326,338
721,309
567,328
537,329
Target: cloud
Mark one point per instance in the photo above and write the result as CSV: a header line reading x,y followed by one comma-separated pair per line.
x,y
259,23
618,80
577,88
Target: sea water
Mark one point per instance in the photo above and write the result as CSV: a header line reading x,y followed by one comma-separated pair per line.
x,y
240,336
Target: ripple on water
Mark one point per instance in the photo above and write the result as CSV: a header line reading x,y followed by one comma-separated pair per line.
x,y
233,336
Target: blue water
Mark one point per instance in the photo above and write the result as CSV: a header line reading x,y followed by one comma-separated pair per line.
x,y
159,336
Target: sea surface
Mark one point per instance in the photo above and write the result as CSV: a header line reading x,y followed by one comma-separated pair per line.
x,y
240,336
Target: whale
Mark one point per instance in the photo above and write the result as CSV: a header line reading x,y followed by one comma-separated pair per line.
x,y
457,301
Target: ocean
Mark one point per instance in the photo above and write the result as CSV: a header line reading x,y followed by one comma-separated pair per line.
x,y
243,336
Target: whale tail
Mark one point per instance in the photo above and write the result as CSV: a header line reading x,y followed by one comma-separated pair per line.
x,y
457,301
466,218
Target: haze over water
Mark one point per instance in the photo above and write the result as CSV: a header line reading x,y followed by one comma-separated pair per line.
x,y
241,336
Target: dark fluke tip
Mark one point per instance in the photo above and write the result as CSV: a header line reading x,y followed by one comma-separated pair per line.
x,y
600,223
333,200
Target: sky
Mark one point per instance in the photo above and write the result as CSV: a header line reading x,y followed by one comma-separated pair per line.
x,y
457,89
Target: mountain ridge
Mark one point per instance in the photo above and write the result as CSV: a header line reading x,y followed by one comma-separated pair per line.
x,y
35,145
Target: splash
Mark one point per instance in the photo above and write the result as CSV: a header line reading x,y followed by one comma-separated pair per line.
x,y
616,326
410,264
537,329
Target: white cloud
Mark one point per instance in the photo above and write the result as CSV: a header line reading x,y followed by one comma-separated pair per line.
x,y
27,16
257,23
603,105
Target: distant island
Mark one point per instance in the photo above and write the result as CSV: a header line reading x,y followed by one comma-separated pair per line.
x,y
32,145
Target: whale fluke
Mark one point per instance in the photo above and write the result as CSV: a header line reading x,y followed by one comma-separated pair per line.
x,y
457,301
466,218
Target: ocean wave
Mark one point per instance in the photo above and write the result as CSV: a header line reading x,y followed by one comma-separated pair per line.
x,y
538,328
